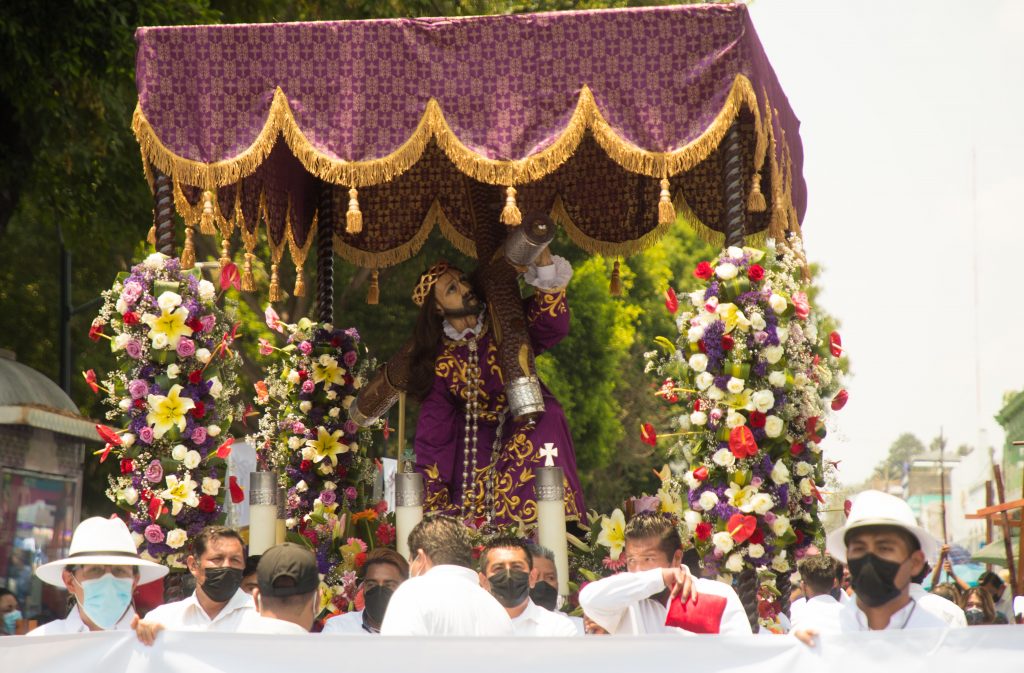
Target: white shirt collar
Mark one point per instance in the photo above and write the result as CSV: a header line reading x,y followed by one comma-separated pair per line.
x,y
530,614
897,620
455,335
239,601
454,571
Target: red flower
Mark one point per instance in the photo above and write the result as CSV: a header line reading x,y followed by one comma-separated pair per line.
x,y
757,537
728,342
671,301
195,324
755,272
139,403
342,472
156,508
127,465
799,537
130,318
229,277
741,527
336,342
815,429
306,465
90,378
310,535
385,534
303,374
847,504
360,559
742,442
224,450
237,495
697,404
96,330
195,377
108,435
796,448
198,411
703,530
835,344
701,473
700,345
801,305
207,504
839,401
757,419
648,435
703,271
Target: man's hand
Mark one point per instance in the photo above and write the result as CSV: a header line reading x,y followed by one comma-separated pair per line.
x,y
146,631
806,636
592,628
680,583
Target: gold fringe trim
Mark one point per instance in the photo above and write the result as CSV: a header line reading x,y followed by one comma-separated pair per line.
x,y
354,217
249,240
433,125
666,212
606,248
188,253
276,249
373,292
299,253
510,215
755,199
207,218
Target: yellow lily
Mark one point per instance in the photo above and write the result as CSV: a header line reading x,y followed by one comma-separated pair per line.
x,y
326,445
670,502
327,369
740,497
169,323
733,317
613,533
166,411
180,493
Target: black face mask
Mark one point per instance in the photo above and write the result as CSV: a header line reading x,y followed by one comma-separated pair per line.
x,y
975,616
222,583
545,596
510,587
377,600
874,579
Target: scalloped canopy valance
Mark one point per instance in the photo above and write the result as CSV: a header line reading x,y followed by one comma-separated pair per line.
x,y
595,117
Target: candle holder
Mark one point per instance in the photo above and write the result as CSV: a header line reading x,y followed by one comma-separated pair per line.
x,y
409,494
263,498
550,493
281,531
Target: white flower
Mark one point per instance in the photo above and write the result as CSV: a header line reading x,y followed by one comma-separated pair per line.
x,y
716,393
755,551
192,460
780,473
777,379
176,538
783,334
206,291
741,497
780,564
125,404
302,486
130,495
330,486
773,426
119,342
212,430
777,302
325,468
331,395
723,457
155,261
216,387
172,371
684,422
734,563
814,447
762,503
735,385
333,413
708,500
723,542
159,340
178,452
773,354
121,305
347,402
726,271
308,453
138,539
203,355
757,321
695,333
800,380
805,487
698,362
803,469
696,297
734,251
168,301
692,518
698,418
811,333
763,400
210,486
780,525
305,406
704,380
291,523
295,443
293,377
327,361
690,481
734,419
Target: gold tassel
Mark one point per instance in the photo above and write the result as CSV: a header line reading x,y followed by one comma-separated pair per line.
x,y
151,236
300,282
225,252
188,254
275,285
510,214
207,225
248,280
353,218
373,293
755,199
666,211
615,286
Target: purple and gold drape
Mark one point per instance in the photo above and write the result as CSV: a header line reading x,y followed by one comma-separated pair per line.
x,y
586,114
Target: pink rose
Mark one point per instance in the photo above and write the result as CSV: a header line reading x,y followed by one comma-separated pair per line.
x,y
154,534
208,321
146,434
305,347
351,427
134,349
154,471
307,386
186,347
138,389
199,435
350,358
801,305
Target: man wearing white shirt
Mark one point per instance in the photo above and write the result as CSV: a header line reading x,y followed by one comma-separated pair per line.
x,y
946,610
634,602
383,572
443,597
507,572
102,570
545,592
817,575
287,593
218,603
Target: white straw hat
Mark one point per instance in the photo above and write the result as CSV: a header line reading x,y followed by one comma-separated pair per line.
x,y
874,508
99,541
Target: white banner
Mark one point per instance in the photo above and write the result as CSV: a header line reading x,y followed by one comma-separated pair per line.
x,y
981,648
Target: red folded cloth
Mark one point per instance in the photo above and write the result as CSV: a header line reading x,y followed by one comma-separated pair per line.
x,y
703,614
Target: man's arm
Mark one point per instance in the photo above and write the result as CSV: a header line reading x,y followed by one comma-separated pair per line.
x,y
547,311
607,600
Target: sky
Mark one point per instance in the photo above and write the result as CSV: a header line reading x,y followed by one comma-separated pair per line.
x,y
908,110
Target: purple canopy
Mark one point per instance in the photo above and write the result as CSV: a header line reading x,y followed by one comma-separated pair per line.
x,y
592,116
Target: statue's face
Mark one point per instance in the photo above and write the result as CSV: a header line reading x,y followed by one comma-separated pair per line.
x,y
454,295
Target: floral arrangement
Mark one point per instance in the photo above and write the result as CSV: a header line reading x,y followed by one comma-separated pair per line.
x,y
171,401
748,383
305,435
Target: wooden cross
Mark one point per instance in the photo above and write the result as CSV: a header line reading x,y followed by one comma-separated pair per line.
x,y
549,452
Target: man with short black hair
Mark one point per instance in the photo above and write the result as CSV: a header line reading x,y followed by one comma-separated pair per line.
x,y
383,572
636,602
1001,596
818,576
287,592
249,581
507,572
443,596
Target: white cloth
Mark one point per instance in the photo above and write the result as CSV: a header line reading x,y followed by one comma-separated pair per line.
x,y
253,622
910,616
581,629
447,600
950,612
554,276
795,608
844,597
73,624
349,623
820,613
188,614
536,621
621,604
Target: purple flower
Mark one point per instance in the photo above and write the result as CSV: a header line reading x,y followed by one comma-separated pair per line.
x,y
208,321
154,472
132,291
199,435
307,386
351,493
138,389
146,434
351,427
186,347
350,358
154,534
134,349
298,428
305,347
647,503
327,497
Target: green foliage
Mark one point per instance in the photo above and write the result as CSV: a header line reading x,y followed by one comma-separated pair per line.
x,y
903,450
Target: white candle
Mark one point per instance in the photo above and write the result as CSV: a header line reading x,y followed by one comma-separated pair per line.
x,y
262,512
409,492
551,521
406,519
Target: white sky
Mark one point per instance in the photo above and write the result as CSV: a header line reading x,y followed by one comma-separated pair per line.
x,y
893,98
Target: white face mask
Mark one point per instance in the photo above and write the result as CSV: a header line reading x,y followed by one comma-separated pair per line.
x,y
106,600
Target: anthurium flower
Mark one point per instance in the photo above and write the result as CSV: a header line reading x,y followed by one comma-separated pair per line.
x,y
167,411
170,325
671,301
741,527
835,344
613,533
839,401
648,435
326,445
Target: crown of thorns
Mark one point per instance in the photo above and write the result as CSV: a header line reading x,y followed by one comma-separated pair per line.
x,y
427,281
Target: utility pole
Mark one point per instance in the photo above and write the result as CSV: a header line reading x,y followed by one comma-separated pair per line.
x,y
942,482
67,312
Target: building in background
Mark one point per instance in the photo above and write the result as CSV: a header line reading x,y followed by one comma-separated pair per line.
x,y
927,487
1011,417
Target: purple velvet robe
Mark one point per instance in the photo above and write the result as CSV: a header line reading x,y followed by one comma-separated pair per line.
x,y
441,428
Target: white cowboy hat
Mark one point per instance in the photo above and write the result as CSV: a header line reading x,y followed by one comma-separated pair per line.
x,y
874,508
99,541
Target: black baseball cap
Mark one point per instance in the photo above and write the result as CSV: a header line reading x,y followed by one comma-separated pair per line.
x,y
292,563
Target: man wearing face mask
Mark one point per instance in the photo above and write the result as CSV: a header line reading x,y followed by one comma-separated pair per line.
x,y
884,549
287,593
383,572
545,592
9,612
101,572
443,596
507,572
217,560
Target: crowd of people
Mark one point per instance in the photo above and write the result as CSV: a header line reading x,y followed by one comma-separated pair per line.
x,y
869,579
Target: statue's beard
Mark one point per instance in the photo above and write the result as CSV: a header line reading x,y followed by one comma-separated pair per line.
x,y
470,307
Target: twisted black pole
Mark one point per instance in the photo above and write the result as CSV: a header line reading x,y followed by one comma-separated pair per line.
x,y
163,213
325,255
733,196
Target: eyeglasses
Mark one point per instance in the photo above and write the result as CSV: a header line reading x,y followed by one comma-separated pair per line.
x,y
95,572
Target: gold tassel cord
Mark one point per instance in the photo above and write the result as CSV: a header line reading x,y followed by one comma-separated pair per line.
x,y
373,293
300,281
510,214
615,286
248,280
188,253
755,199
151,236
354,217
666,211
225,252
207,221
275,284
